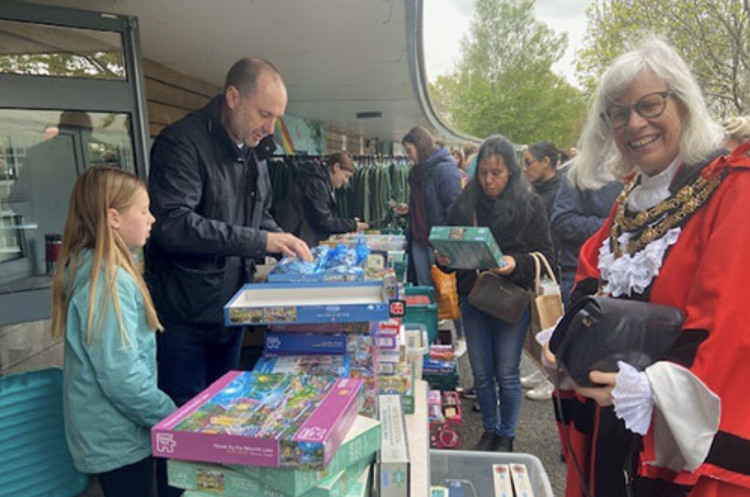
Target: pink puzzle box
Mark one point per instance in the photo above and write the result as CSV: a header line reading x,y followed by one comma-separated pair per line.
x,y
270,420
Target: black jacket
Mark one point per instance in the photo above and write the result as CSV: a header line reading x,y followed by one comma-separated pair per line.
x,y
309,210
548,191
211,203
528,231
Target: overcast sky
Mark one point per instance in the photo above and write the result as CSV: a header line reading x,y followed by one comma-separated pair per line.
x,y
446,21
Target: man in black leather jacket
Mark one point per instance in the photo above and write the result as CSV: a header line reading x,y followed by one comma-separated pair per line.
x,y
210,194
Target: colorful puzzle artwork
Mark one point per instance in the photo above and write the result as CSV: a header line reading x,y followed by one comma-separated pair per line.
x,y
277,420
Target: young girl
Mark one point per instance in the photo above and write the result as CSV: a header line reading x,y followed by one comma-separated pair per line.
x,y
101,303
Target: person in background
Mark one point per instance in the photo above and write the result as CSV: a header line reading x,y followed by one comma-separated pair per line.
x,y
470,157
576,215
542,160
675,237
309,210
434,183
498,198
101,305
458,156
738,129
211,197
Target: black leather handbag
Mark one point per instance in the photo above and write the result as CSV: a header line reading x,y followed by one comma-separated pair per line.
x,y
495,295
597,332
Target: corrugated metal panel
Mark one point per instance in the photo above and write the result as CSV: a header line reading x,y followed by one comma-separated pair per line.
x,y
35,460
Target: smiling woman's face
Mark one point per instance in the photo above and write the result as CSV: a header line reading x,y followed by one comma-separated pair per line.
x,y
651,144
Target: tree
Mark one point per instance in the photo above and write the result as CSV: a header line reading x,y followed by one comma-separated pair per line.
x,y
713,36
96,65
503,82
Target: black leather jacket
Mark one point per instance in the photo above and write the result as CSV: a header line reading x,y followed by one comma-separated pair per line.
x,y
211,201
309,211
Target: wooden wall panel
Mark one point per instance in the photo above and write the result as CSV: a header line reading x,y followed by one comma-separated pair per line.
x,y
170,95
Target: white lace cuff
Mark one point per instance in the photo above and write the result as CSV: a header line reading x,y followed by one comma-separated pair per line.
x,y
633,399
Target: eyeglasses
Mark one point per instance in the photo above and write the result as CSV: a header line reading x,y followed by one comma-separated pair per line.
x,y
648,107
529,162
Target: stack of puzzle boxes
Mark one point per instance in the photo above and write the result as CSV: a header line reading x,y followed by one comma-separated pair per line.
x,y
395,374
294,426
346,350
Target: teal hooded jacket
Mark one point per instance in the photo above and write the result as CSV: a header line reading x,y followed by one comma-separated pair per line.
x,y
111,396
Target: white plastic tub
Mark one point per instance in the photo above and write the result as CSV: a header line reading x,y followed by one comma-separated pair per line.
x,y
473,470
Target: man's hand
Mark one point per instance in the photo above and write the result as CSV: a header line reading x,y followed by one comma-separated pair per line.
x,y
361,226
287,244
401,209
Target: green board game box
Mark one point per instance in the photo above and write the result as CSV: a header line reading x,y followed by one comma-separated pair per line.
x,y
467,247
362,441
213,480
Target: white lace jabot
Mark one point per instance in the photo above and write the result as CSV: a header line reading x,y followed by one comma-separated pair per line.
x,y
634,273
652,189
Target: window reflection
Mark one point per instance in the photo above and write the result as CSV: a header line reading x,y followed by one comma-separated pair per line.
x,y
41,155
39,50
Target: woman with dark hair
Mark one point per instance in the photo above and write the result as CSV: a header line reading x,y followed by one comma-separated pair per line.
x,y
309,211
541,160
499,198
434,183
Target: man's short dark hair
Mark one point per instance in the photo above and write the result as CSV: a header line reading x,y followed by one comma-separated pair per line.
x,y
244,74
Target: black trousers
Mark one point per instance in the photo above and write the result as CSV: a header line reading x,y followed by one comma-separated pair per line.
x,y
133,480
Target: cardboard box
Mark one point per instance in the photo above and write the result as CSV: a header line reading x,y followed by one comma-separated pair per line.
x,y
271,420
521,482
316,365
286,343
501,480
360,487
355,327
216,480
360,445
467,247
445,419
393,463
305,303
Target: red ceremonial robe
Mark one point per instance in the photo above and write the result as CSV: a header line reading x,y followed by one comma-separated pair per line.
x,y
705,274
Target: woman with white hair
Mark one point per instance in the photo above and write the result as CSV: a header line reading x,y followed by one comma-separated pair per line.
x,y
677,236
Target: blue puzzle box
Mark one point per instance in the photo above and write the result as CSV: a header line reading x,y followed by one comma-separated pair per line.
x,y
290,343
301,303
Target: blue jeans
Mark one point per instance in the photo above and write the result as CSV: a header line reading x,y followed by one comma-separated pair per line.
x,y
495,355
423,259
187,367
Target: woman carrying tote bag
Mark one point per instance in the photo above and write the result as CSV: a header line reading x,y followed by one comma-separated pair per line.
x,y
499,198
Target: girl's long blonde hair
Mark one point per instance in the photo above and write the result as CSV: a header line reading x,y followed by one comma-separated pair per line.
x,y
87,227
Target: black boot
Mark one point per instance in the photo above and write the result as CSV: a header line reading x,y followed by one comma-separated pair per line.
x,y
503,444
487,442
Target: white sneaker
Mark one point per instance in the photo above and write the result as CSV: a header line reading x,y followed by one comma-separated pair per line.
x,y
541,392
533,380
459,346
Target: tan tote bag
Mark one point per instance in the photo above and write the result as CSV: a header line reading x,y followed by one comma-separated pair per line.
x,y
546,305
